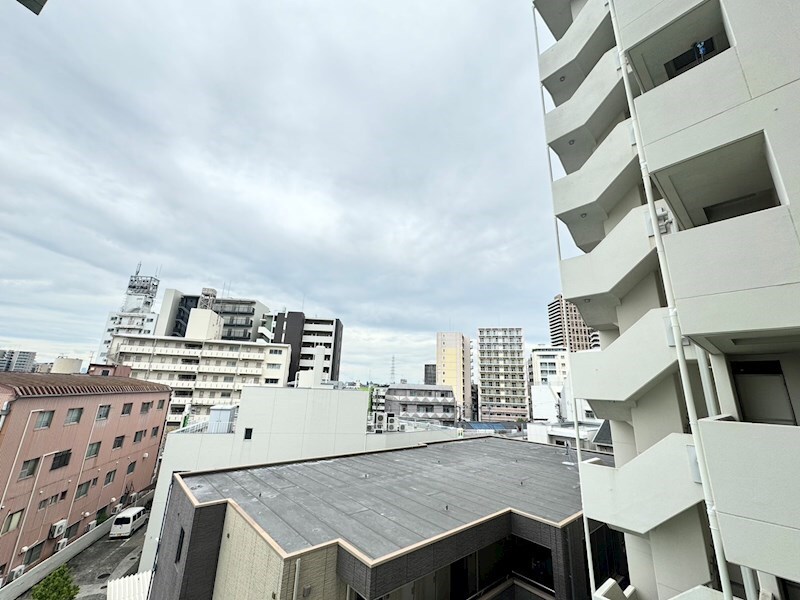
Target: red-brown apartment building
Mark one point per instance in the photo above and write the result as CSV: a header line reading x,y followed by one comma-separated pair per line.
x,y
72,448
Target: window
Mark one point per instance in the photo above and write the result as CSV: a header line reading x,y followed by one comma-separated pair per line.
x,y
131,467
12,522
105,373
273,366
94,482
29,468
137,437
270,380
146,406
63,496
72,530
248,433
83,490
44,419
93,450
154,432
127,408
118,441
32,555
179,551
274,351
160,404
53,498
228,378
224,394
110,477
73,416
61,459
103,412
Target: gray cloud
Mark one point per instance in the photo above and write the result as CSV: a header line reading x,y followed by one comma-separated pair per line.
x,y
382,162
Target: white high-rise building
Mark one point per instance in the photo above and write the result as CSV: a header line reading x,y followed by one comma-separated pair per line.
x,y
677,123
453,368
135,316
503,391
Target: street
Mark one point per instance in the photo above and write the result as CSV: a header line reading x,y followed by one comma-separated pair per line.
x,y
105,559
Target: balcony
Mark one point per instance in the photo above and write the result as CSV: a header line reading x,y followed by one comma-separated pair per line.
x,y
755,479
252,356
215,369
177,351
129,349
214,385
181,384
607,376
159,366
596,282
584,199
729,277
651,489
220,353
576,128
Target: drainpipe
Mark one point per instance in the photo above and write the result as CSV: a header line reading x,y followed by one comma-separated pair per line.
x,y
683,367
16,456
296,578
586,530
83,465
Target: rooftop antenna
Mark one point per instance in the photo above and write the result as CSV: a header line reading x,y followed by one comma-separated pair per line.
x,y
138,268
391,376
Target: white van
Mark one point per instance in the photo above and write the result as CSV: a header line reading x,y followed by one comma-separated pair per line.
x,y
128,521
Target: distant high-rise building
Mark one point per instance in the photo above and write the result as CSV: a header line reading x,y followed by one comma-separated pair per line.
x,y
503,394
453,368
303,334
564,318
135,316
17,361
430,374
547,364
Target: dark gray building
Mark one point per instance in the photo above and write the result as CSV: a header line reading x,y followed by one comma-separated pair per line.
x,y
303,334
394,524
430,374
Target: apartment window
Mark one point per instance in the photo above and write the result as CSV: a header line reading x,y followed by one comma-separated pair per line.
x,y
270,381
137,437
110,477
127,408
154,432
83,490
160,404
103,412
72,531
146,406
228,379
212,394
12,521
53,498
224,394
94,481
29,468
43,504
73,416
63,496
34,554
118,441
61,459
275,351
131,467
93,450
231,363
44,419
179,551
273,366
248,433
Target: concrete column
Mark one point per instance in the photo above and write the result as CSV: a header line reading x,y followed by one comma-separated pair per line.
x,y
724,382
680,553
640,565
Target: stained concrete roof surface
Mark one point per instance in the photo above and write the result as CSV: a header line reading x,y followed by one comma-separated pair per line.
x,y
385,501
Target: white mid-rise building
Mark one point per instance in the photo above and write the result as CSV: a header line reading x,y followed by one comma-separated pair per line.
x,y
503,390
201,369
547,364
135,316
454,369
17,361
677,124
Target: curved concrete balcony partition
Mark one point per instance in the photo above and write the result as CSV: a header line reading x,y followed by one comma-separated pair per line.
x,y
584,199
728,275
575,128
564,66
596,282
651,489
756,492
629,366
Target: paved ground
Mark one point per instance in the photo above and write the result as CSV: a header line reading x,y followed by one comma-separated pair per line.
x,y
105,559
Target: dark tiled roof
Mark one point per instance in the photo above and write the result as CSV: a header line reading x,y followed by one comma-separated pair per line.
x,y
55,384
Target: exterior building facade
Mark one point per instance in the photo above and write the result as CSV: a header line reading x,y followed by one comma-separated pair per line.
x,y
503,393
426,402
430,374
201,369
303,334
74,450
565,320
17,361
547,364
454,369
135,316
687,212
483,537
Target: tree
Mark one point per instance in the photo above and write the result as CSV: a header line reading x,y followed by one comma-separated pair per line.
x,y
57,586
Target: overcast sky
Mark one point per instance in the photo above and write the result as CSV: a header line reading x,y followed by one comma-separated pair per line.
x,y
382,162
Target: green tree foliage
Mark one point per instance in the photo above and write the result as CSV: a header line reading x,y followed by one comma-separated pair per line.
x,y
57,586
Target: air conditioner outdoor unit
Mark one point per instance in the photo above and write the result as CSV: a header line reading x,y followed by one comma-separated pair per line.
x,y
370,428
133,497
61,545
117,508
15,573
58,528
380,419
91,525
392,426
401,427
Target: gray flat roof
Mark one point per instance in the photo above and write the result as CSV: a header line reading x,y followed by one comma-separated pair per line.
x,y
383,502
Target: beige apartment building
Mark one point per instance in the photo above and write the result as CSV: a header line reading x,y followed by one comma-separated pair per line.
x,y
677,125
201,369
503,390
567,324
454,369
